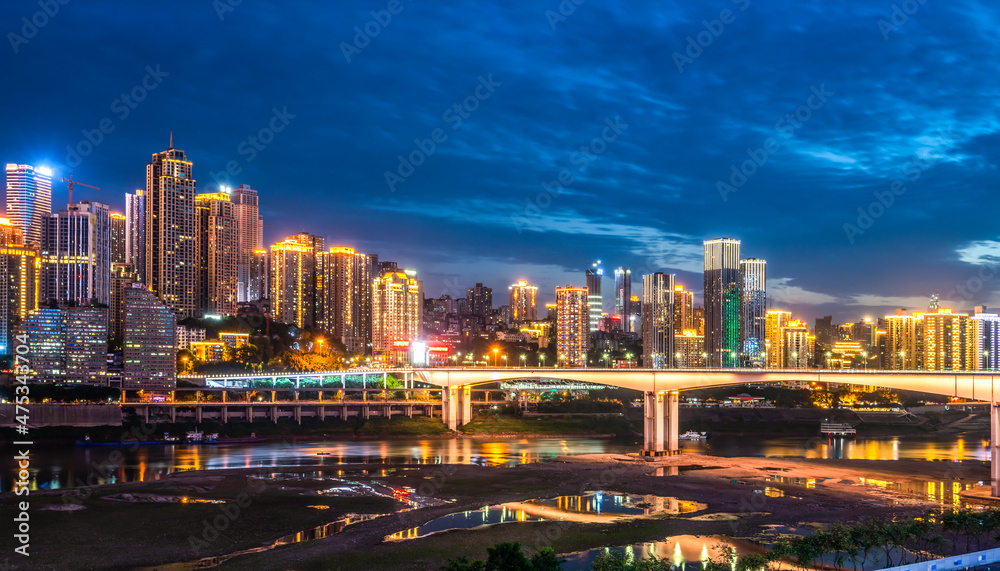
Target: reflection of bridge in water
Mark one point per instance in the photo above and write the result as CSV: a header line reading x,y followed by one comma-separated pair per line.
x,y
661,388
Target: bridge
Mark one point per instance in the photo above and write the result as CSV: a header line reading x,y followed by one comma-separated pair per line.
x,y
661,388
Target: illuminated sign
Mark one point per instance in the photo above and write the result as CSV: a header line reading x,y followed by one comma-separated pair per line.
x,y
401,344
438,348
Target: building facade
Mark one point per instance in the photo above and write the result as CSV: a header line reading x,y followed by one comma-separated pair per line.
x,y
753,276
623,297
217,254
293,278
723,303
572,325
949,341
776,321
595,297
480,300
29,200
76,257
249,239
397,311
349,298
122,277
135,231
68,344
150,344
523,302
658,321
20,270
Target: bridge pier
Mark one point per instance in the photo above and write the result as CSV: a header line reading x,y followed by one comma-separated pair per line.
x,y
995,448
661,423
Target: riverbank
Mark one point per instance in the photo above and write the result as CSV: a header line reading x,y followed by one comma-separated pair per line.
x,y
264,504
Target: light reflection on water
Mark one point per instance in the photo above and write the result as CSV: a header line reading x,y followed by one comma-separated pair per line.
x,y
61,467
683,551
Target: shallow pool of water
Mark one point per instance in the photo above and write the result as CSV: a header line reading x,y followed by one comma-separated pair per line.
x,y
683,551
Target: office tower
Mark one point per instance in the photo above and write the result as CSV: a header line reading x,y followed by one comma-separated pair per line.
x,y
904,341
824,330
723,303
623,296
551,310
150,344
776,321
76,257
699,320
480,300
68,344
635,314
217,254
318,246
171,231
572,325
658,321
523,302
986,329
349,298
293,281
683,309
689,349
118,230
135,231
753,276
397,309
949,341
595,298
259,284
29,200
20,268
122,277
250,238
798,345
864,332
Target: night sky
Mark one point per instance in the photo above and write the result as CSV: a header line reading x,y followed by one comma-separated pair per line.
x,y
831,102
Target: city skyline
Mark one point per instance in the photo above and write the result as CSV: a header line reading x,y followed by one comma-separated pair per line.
x,y
289,135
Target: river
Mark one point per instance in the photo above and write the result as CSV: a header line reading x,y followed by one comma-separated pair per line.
x,y
65,467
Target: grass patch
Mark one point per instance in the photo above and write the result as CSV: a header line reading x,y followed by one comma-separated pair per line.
x,y
417,425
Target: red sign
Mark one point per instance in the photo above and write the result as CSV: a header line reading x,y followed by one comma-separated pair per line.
x,y
401,344
438,348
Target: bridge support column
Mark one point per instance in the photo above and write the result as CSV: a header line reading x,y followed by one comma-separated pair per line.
x,y
173,414
197,412
322,412
660,428
673,410
225,414
449,407
466,393
995,448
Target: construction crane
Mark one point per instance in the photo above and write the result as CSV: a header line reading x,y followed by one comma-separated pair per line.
x,y
73,182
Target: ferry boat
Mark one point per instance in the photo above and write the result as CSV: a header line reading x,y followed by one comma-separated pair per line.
x,y
836,429
692,435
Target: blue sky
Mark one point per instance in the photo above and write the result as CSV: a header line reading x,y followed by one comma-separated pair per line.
x,y
692,90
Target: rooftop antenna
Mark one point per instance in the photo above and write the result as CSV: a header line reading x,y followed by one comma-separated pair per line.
x,y
171,139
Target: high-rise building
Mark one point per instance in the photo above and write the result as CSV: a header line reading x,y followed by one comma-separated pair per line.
x,y
349,298
122,278
623,296
480,300
20,268
689,349
135,231
259,281
250,238
572,325
658,321
595,298
172,231
723,303
118,231
798,345
397,309
76,256
753,275
776,321
523,302
29,200
949,341
904,341
217,254
683,309
150,344
292,271
986,329
551,310
318,245
68,344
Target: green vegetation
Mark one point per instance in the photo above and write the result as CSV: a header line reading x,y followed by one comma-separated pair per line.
x,y
494,423
508,557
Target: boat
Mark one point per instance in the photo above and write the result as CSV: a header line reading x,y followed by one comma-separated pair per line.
x,y
245,440
692,435
194,436
837,429
167,439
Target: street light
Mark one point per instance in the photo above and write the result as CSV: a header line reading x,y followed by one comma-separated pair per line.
x,y
541,357
607,364
705,356
495,358
864,356
523,357
505,360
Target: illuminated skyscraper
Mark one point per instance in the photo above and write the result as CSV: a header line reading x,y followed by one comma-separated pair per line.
x,y
683,310
217,254
122,277
723,303
689,349
523,302
76,257
904,341
150,341
949,341
798,345
250,238
118,231
349,298
753,275
658,321
572,325
68,344
623,296
986,328
171,231
318,245
776,321
20,268
595,298
135,231
397,310
259,284
29,200
292,270
480,300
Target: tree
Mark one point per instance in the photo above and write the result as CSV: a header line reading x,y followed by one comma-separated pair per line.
x,y
508,557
